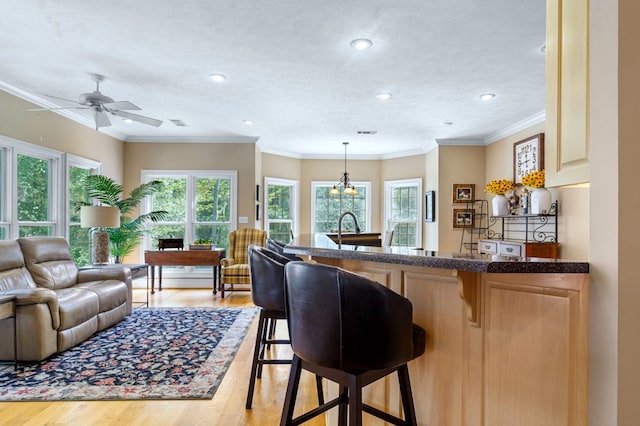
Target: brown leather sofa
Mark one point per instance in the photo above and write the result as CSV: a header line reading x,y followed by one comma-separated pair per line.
x,y
58,305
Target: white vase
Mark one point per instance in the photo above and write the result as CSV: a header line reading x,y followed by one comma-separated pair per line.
x,y
540,201
500,205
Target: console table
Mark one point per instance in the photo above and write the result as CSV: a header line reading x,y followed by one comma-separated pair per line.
x,y
161,258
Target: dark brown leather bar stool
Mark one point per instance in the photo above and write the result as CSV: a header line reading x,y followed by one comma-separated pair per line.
x,y
267,292
350,330
278,247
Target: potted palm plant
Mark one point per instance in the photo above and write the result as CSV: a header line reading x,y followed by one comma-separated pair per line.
x,y
107,192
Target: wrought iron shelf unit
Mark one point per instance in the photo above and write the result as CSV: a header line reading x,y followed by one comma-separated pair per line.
x,y
538,228
476,230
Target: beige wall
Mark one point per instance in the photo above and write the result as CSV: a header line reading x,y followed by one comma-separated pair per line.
x,y
456,164
51,130
278,166
629,205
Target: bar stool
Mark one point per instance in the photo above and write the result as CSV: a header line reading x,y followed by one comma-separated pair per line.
x,y
267,292
350,330
278,247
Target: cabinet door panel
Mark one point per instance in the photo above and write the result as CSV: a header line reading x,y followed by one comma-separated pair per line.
x,y
531,348
567,112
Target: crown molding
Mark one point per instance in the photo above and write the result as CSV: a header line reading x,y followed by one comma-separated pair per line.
x,y
515,128
460,142
191,139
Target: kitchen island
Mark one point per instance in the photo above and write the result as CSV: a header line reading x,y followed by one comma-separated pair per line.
x,y
507,337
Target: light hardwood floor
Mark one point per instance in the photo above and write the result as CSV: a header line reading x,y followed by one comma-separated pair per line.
x,y
226,408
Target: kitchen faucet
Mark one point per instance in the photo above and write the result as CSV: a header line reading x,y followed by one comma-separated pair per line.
x,y
355,222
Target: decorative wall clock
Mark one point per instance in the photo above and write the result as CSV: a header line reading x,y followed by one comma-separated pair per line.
x,y
528,156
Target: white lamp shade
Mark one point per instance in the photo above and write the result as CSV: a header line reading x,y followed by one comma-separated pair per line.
x,y
99,217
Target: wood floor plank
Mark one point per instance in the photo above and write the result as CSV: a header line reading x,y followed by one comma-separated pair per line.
x,y
226,408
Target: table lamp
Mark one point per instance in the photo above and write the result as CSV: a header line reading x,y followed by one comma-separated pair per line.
x,y
98,218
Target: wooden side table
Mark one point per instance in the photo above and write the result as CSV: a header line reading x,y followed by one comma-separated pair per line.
x,y
8,311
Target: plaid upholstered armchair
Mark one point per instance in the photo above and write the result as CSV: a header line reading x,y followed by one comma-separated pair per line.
x,y
235,267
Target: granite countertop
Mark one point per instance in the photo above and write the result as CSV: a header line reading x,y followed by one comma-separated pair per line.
x,y
320,245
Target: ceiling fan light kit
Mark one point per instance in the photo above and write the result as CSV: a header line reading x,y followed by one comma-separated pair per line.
x,y
102,105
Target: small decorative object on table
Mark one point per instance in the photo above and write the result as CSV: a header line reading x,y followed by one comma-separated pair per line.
x,y
524,198
540,197
499,203
201,245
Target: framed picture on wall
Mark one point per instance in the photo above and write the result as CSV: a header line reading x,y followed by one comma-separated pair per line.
x,y
430,206
463,218
463,192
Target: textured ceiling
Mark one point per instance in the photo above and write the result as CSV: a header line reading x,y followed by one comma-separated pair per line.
x,y
290,68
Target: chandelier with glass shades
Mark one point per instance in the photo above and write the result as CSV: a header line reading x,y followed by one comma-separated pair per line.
x,y
344,184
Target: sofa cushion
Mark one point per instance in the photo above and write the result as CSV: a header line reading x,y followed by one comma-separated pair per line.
x,y
111,293
49,261
77,305
13,273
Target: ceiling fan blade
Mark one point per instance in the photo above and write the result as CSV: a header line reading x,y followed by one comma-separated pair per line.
x,y
62,99
137,117
53,109
102,120
121,105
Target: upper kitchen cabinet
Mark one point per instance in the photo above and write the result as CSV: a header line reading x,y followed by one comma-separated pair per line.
x,y
567,109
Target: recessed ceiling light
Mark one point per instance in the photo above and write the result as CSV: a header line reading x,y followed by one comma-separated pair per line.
x,y
384,96
361,43
218,78
128,120
487,96
248,122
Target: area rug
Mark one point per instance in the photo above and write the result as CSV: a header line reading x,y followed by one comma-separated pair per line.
x,y
155,353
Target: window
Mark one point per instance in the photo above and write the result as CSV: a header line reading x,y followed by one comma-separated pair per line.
x,y
281,208
32,198
403,211
201,206
79,238
326,208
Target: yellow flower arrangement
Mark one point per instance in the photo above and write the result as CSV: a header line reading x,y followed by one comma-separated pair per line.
x,y
498,186
534,179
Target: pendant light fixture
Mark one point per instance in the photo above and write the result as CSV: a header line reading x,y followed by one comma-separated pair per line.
x,y
344,183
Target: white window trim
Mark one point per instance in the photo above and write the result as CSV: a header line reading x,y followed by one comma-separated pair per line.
x,y
295,209
388,186
145,207
366,184
95,167
57,208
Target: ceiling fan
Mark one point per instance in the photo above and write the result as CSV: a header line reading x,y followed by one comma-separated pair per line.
x,y
103,105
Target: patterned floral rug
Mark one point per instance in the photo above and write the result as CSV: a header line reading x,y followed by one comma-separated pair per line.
x,y
155,353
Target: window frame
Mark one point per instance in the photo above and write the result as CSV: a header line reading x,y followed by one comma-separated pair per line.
x,y
389,185
367,184
191,176
56,200
294,204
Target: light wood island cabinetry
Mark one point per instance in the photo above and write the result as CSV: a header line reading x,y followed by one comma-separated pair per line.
x,y
507,338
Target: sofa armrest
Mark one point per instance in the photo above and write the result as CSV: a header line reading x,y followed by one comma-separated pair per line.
x,y
121,274
34,296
